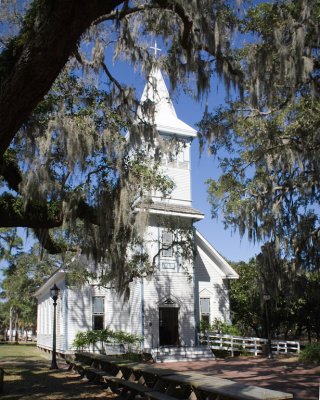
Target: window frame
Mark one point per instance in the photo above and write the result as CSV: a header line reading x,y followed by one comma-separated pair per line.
x,y
206,315
167,252
97,315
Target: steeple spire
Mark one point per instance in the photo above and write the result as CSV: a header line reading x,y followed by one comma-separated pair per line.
x,y
165,117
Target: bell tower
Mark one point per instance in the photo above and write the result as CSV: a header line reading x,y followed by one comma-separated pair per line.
x,y
175,163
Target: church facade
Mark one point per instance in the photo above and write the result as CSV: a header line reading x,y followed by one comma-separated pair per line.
x,y
166,309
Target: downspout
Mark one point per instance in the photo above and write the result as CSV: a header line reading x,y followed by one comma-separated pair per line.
x,y
195,294
142,311
158,248
65,328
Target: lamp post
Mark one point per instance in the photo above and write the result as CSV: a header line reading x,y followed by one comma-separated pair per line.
x,y
54,292
267,298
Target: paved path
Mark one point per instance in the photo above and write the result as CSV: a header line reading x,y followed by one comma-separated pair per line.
x,y
283,374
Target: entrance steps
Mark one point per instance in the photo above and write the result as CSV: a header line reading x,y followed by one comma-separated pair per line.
x,y
183,353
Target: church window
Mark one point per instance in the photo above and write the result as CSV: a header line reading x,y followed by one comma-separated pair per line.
x,y
167,239
97,313
205,310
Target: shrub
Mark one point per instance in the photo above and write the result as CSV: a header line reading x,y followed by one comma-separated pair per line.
x,y
224,328
91,338
80,341
311,353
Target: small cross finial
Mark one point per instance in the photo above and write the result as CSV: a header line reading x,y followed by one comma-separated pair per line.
x,y
155,48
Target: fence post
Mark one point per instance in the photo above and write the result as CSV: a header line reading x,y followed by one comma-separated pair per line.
x,y
232,352
208,339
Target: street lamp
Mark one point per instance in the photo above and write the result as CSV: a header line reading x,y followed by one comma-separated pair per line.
x,y
267,298
54,292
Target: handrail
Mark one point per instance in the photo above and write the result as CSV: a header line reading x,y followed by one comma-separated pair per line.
x,y
217,341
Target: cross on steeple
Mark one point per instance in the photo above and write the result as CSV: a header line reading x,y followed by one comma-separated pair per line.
x,y
155,48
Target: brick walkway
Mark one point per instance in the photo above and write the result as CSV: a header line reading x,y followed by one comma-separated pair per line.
x,y
283,374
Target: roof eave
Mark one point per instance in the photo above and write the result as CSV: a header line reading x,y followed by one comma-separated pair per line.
x,y
51,281
197,217
230,273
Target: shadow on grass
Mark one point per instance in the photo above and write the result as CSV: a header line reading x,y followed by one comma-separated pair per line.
x,y
33,380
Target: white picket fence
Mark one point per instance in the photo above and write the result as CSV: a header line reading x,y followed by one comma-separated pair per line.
x,y
252,345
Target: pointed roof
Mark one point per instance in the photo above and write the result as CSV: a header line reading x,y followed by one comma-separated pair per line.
x,y
165,117
216,260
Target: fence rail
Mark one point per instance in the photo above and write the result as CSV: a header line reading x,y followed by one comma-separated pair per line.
x,y
252,345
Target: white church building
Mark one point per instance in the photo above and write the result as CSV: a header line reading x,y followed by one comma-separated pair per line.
x,y
166,309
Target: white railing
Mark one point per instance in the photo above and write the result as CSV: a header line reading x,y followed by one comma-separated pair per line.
x,y
252,345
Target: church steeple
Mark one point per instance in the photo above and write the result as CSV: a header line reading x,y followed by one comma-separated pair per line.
x,y
176,165
165,117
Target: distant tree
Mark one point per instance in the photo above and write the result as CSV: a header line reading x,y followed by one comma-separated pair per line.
x,y
10,244
24,275
245,299
293,304
269,186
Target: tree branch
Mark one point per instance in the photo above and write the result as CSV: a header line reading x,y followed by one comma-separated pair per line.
x,y
33,59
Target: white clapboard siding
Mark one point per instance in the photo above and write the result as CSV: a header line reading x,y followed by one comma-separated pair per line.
x,y
79,317
45,320
176,286
211,284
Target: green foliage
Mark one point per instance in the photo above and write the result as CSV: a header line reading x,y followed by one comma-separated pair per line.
x,y
311,353
105,336
24,274
218,326
224,328
269,188
245,298
10,244
204,326
293,303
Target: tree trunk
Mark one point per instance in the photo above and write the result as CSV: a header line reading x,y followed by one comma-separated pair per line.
x,y
11,325
16,336
35,58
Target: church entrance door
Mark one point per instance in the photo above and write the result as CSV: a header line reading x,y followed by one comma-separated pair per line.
x,y
168,326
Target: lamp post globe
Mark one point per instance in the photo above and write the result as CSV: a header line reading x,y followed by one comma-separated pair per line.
x,y
54,293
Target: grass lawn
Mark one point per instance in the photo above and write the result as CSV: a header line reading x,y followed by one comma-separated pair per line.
x,y
27,376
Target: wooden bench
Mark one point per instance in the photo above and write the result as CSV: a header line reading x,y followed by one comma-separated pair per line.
x,y
159,396
130,379
128,389
204,386
97,375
